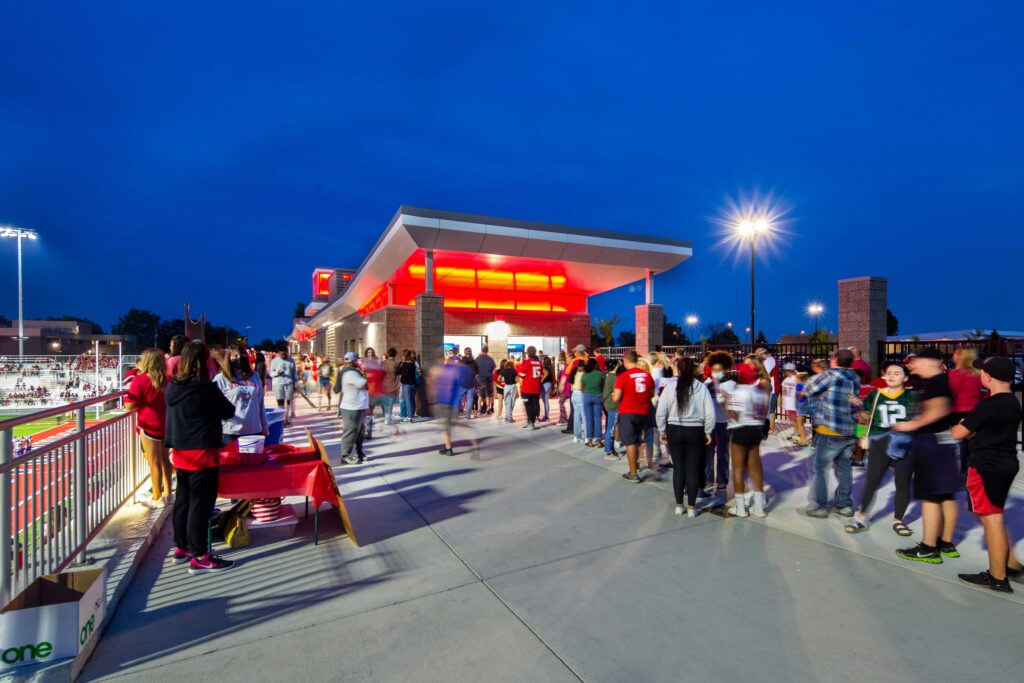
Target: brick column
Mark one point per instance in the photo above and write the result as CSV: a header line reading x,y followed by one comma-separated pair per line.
x,y
650,328
429,327
862,315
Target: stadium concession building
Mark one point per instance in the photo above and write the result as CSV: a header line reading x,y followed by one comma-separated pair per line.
x,y
438,279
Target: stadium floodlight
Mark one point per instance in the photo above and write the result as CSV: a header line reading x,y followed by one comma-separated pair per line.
x,y
20,234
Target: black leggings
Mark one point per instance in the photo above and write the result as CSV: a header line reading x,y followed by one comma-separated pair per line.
x,y
688,449
878,463
532,404
193,505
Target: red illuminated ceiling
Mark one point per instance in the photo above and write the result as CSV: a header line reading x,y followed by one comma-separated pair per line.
x,y
486,282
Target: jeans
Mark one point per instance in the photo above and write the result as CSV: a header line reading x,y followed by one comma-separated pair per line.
x,y
408,407
352,431
687,448
510,401
609,431
592,404
718,450
545,392
576,401
829,450
469,394
194,498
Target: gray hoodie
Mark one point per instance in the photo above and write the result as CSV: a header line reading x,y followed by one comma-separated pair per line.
x,y
700,412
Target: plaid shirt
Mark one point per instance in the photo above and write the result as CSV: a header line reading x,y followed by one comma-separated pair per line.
x,y
833,409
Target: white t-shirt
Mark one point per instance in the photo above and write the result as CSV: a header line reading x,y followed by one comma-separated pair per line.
x,y
354,395
751,404
789,393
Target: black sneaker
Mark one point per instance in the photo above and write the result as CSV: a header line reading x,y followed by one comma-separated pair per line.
x,y
446,451
567,431
948,549
919,553
987,581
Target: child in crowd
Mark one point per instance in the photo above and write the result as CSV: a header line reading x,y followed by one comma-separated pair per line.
x,y
803,411
789,392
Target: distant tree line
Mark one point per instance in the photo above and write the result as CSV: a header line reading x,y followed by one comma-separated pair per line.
x,y
149,329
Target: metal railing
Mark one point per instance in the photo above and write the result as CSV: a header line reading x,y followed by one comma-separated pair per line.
x,y
57,497
800,355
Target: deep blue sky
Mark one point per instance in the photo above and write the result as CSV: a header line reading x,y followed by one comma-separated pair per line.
x,y
216,154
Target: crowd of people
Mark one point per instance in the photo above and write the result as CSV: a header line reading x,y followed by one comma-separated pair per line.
x,y
192,403
706,419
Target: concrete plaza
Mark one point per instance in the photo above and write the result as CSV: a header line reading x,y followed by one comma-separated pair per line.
x,y
527,558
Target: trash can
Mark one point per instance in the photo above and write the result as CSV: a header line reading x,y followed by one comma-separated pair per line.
x,y
275,425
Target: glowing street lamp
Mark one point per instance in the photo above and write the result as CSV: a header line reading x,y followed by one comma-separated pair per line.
x,y
750,227
19,233
815,310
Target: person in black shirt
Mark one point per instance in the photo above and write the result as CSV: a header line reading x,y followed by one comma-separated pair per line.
x,y
936,465
991,429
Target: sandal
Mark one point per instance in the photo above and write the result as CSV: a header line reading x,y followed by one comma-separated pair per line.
x,y
855,527
902,529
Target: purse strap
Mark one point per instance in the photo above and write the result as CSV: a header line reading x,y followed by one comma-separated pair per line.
x,y
871,418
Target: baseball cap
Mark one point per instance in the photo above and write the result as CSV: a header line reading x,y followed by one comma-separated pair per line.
x,y
789,366
1000,368
929,352
580,348
351,356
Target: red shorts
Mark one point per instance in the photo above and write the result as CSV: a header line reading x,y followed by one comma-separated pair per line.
x,y
987,491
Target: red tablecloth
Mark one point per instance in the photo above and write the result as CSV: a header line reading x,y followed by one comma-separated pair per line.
x,y
297,474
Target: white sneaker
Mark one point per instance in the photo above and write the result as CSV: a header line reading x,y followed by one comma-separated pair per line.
x,y
758,507
679,510
576,439
748,498
739,510
691,513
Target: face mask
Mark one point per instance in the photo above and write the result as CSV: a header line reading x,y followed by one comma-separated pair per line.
x,y
718,375
236,363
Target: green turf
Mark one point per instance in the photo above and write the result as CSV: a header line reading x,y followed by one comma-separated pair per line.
x,y
33,428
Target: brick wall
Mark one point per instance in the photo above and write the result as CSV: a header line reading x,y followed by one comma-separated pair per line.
x,y
862,314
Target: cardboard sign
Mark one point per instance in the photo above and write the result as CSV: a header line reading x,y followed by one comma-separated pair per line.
x,y
56,617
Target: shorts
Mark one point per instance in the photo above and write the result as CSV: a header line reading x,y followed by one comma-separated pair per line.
x,y
283,392
445,416
325,382
804,409
987,491
151,437
485,388
747,436
632,428
936,468
500,391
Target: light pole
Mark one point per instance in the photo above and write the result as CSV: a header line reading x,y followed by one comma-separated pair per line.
x,y
20,233
815,310
751,227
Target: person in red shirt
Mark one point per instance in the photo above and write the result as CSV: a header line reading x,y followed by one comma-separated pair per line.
x,y
633,391
146,393
965,385
860,366
602,364
530,373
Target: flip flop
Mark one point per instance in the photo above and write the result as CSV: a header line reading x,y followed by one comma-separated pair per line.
x,y
902,529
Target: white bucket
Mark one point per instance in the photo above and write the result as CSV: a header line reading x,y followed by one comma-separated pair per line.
x,y
250,444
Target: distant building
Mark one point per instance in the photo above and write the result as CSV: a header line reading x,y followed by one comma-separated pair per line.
x,y
57,338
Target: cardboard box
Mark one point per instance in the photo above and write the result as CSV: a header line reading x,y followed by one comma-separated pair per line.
x,y
57,616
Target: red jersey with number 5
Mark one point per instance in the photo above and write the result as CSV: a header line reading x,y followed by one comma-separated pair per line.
x,y
531,370
637,387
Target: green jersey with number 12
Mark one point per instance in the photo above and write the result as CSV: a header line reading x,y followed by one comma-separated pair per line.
x,y
889,409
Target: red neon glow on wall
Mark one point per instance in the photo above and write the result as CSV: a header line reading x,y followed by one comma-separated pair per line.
x,y
467,282
322,283
377,301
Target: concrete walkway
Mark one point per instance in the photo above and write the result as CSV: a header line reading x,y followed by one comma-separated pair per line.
x,y
527,558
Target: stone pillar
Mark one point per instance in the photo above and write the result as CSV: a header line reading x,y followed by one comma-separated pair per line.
x,y
429,327
650,328
862,315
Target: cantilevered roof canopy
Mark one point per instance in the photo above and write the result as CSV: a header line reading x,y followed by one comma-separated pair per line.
x,y
592,261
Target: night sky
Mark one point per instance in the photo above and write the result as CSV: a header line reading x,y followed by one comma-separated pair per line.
x,y
215,153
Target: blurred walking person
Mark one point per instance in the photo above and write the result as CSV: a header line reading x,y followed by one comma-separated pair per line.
x,y
352,405
445,391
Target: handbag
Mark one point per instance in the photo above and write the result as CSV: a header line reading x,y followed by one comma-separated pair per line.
x,y
230,525
864,438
